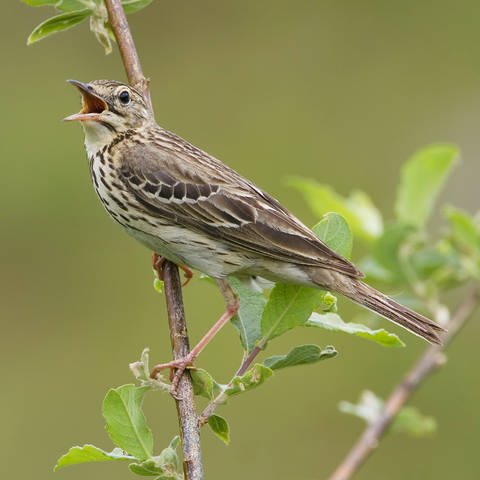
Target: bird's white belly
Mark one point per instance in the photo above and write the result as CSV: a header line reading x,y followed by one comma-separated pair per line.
x,y
183,246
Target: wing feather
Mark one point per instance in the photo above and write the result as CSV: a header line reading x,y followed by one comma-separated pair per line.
x,y
175,180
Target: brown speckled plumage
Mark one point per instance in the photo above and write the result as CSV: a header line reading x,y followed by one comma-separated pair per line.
x,y
192,209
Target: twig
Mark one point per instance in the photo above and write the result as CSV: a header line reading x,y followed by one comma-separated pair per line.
x,y
187,415
128,52
222,397
431,359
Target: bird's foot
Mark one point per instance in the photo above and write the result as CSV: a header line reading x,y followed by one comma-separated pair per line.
x,y
187,273
177,368
158,263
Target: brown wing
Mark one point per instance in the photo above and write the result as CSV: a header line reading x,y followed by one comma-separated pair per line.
x,y
173,179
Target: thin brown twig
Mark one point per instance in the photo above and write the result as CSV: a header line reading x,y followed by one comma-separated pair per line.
x,y
432,358
187,415
185,399
128,51
222,397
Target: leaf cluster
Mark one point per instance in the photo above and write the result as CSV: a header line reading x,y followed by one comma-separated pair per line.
x,y
404,255
408,420
127,428
74,12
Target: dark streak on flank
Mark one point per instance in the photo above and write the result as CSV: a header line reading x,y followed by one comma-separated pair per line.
x,y
107,186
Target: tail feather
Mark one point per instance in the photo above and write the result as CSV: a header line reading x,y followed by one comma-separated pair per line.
x,y
376,301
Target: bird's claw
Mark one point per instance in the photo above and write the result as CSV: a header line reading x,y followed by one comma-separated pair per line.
x,y
158,262
177,368
187,273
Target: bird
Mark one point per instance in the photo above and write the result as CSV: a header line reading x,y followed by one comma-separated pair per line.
x,y
194,210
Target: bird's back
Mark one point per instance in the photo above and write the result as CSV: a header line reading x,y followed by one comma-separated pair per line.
x,y
172,194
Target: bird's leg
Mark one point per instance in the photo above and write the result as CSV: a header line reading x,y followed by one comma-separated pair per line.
x,y
181,364
157,264
188,274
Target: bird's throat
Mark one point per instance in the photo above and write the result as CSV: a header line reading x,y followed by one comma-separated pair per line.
x,y
97,136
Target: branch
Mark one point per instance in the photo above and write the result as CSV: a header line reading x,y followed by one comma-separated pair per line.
x,y
222,397
128,52
187,415
185,399
432,358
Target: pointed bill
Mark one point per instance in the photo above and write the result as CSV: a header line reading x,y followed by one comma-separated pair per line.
x,y
92,104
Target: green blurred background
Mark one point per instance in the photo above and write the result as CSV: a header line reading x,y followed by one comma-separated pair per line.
x,y
340,91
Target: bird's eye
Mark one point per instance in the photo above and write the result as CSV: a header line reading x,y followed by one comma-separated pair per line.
x,y
124,97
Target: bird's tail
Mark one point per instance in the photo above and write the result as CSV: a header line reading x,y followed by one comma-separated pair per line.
x,y
376,301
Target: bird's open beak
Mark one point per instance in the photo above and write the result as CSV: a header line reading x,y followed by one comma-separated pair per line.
x,y
92,106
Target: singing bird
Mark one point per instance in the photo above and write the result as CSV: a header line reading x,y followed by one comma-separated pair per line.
x,y
194,210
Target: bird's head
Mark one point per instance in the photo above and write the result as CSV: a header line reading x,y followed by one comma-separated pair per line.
x,y
110,107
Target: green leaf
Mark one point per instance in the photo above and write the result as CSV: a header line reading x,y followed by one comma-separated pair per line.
x,y
367,214
288,306
369,407
328,302
428,260
204,384
168,459
130,6
250,380
126,423
164,466
40,3
423,176
73,5
300,355
387,249
249,316
58,23
158,285
465,230
376,272
410,421
331,321
102,31
358,210
335,232
220,428
452,267
133,6
90,453
148,468
141,368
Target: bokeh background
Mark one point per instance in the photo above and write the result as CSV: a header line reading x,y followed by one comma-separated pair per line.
x,y
341,91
